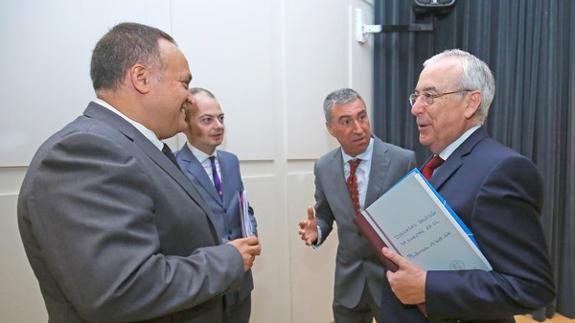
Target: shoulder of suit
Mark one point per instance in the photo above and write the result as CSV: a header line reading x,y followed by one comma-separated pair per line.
x,y
184,150
94,129
226,155
490,150
329,156
393,148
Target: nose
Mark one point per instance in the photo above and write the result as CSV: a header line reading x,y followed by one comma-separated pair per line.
x,y
417,107
357,126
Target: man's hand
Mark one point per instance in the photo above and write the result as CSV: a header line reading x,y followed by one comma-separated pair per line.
x,y
308,228
249,248
408,282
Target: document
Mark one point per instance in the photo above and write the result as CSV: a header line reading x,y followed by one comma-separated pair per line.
x,y
247,227
412,219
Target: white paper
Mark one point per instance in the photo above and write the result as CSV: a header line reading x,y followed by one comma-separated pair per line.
x,y
415,221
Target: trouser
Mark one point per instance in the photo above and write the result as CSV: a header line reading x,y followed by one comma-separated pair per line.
x,y
364,312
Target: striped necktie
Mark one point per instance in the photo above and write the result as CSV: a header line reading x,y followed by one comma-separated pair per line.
x,y
216,176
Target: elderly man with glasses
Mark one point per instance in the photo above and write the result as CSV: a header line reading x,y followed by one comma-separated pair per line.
x,y
496,191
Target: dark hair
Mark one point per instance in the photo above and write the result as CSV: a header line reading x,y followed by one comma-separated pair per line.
x,y
120,48
196,90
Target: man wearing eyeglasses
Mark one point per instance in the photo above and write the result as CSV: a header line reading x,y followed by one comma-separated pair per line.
x,y
346,180
496,191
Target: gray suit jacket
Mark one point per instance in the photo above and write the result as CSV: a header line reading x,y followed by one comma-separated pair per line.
x,y
356,262
114,231
226,209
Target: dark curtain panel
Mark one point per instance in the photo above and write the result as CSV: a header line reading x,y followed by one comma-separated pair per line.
x,y
530,46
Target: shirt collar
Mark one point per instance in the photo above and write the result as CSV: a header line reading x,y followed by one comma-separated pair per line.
x,y
200,155
366,155
149,134
445,153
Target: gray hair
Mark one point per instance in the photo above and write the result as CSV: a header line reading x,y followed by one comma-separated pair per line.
x,y
476,76
341,96
120,48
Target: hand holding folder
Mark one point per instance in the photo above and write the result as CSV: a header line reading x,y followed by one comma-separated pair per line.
x,y
415,222
407,281
378,244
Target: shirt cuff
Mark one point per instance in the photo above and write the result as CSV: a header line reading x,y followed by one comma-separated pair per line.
x,y
318,241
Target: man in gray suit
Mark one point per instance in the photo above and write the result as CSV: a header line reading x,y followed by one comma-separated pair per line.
x,y
359,274
216,175
113,229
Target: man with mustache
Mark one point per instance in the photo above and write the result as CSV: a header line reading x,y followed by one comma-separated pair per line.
x,y
216,174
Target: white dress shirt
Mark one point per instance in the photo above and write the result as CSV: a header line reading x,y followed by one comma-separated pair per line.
x,y
204,159
447,151
361,173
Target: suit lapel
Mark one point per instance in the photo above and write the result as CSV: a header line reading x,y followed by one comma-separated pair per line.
x,y
340,185
196,169
176,174
454,162
226,175
96,111
380,162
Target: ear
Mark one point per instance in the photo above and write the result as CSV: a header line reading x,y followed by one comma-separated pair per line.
x,y
140,78
473,105
328,127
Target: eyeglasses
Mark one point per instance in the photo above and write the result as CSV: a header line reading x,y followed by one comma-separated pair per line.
x,y
428,97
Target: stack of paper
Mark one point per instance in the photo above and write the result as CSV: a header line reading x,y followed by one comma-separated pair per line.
x,y
247,227
412,219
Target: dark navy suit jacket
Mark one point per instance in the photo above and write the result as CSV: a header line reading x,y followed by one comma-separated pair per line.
x,y
498,193
227,209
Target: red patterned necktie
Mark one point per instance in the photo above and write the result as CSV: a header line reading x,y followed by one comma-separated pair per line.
x,y
352,184
431,165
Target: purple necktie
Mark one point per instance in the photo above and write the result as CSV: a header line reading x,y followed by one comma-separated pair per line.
x,y
215,176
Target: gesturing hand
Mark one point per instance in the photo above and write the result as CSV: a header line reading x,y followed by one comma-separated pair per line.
x,y
308,227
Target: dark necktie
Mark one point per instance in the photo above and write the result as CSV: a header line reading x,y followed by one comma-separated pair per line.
x,y
431,165
168,152
215,176
351,184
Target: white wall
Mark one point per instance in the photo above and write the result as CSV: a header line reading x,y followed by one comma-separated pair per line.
x,y
270,62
